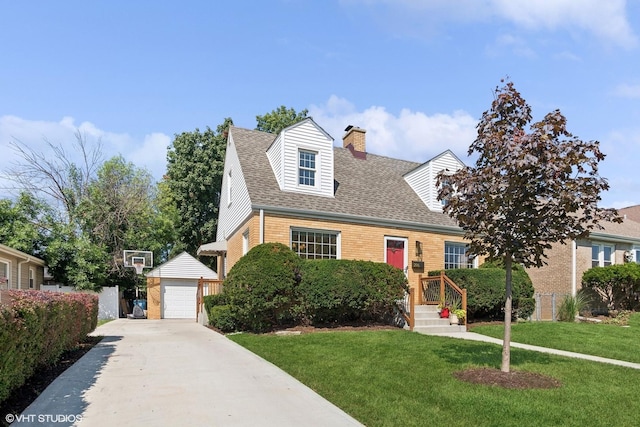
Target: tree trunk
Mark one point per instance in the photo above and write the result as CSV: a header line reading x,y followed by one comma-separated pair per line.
x,y
506,343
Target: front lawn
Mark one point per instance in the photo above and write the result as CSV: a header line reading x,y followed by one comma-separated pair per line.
x,y
399,378
611,341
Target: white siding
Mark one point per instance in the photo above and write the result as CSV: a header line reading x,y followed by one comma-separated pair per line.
x,y
275,155
231,215
423,179
184,266
307,136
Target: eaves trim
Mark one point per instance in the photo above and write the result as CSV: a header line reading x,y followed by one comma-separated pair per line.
x,y
358,219
614,238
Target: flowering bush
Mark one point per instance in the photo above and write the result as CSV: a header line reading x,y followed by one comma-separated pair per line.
x,y
36,327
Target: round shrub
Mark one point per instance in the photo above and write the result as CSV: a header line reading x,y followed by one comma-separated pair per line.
x,y
261,288
221,317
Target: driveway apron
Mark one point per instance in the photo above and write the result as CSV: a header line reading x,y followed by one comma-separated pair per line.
x,y
177,373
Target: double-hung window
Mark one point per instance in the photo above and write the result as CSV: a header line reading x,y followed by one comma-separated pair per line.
x,y
602,255
307,168
455,256
315,244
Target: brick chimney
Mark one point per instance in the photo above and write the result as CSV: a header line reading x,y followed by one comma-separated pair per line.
x,y
354,139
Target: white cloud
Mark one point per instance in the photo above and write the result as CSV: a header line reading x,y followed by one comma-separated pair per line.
x,y
627,91
149,153
517,45
605,19
409,135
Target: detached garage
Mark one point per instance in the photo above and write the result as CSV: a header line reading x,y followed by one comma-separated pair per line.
x,y
172,287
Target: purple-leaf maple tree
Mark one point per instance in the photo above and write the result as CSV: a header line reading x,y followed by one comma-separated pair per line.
x,y
532,185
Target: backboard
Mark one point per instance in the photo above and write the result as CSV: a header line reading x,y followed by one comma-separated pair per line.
x,y
134,259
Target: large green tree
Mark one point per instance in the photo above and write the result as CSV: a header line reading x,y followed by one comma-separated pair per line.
x,y
195,164
279,119
94,210
25,224
120,213
532,185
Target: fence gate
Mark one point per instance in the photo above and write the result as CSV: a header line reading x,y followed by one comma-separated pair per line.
x,y
547,305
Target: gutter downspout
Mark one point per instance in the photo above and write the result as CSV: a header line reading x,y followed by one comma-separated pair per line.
x,y
261,226
574,269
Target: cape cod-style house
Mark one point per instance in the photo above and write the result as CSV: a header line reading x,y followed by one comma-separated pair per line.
x,y
325,201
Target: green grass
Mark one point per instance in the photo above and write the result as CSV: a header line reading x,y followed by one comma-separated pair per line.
x,y
611,341
399,378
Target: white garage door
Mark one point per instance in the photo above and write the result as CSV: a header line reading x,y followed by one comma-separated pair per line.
x,y
179,298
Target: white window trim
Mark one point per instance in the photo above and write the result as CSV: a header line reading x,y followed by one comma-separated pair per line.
x,y
32,278
316,174
635,251
474,260
601,247
319,230
229,188
245,242
405,268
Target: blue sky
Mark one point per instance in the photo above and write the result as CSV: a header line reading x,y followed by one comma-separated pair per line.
x,y
417,75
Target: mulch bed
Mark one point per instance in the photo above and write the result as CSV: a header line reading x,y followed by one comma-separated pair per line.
x,y
520,380
22,397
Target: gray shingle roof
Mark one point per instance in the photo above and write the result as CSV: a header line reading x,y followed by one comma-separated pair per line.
x,y
369,190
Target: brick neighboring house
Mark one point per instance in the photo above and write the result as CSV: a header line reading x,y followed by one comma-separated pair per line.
x,y
322,201
631,212
566,263
19,270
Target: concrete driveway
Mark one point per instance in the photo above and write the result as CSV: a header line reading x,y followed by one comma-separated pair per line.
x,y
177,373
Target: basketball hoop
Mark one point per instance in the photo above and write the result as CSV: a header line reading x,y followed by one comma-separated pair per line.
x,y
138,266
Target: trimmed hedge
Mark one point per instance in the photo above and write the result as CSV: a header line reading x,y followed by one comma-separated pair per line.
x,y
338,291
486,291
271,286
37,327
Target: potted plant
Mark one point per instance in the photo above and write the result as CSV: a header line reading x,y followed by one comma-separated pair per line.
x,y
457,316
443,307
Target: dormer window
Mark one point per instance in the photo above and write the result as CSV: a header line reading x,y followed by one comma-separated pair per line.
x,y
306,168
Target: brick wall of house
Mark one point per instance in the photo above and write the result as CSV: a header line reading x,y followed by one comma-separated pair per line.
x,y
365,242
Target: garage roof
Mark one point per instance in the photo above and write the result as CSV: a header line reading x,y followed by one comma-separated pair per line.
x,y
183,266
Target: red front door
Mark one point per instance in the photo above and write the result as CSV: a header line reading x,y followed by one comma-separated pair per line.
x,y
395,253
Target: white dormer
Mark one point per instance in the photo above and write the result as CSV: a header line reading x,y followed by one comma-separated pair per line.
x,y
423,178
302,159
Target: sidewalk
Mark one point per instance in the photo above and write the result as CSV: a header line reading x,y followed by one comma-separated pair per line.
x,y
176,373
478,337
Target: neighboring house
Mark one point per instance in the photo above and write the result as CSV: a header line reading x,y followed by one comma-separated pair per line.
x,y
19,270
322,201
172,286
631,212
566,263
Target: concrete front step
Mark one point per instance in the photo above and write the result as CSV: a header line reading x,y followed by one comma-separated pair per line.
x,y
421,321
428,321
426,330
